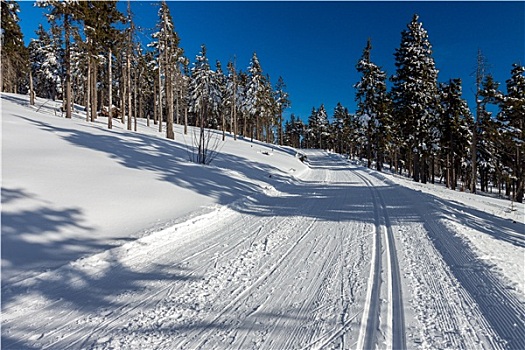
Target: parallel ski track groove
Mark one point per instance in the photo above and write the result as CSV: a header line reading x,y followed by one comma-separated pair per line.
x,y
397,323
494,306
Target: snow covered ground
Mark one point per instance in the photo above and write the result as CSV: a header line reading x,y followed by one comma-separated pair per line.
x,y
113,240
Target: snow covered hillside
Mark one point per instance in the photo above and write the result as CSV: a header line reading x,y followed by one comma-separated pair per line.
x,y
114,240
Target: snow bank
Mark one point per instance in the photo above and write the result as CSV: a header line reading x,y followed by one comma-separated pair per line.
x,y
72,188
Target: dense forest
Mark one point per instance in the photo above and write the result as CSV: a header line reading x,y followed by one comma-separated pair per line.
x,y
91,56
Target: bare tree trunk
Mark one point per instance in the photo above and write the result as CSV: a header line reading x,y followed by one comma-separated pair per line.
x,y
185,119
141,100
123,93
128,62
67,64
155,102
93,90
223,126
244,127
88,91
448,178
234,117
177,106
110,86
160,99
169,101
31,90
135,101
281,126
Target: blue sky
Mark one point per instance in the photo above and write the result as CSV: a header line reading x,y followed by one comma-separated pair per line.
x,y
315,45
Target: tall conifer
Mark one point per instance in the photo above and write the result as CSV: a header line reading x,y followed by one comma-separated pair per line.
x,y
415,97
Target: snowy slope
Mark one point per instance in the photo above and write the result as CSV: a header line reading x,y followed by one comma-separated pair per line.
x,y
114,240
71,188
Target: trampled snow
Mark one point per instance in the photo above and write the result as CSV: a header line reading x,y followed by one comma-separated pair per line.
x,y
113,239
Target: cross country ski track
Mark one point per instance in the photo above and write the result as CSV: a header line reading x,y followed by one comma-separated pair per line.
x,y
330,260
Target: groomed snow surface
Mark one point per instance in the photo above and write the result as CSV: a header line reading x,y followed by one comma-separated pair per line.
x,y
113,239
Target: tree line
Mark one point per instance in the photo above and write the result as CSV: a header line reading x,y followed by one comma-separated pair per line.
x,y
91,56
424,128
421,127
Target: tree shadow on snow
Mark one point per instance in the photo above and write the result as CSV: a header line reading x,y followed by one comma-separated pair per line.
x,y
167,160
499,305
89,297
31,236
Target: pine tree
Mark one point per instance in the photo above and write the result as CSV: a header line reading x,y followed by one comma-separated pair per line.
x,y
66,12
243,107
220,80
270,112
14,53
488,138
231,97
168,56
46,64
342,127
512,122
318,128
282,99
414,96
257,95
374,107
204,102
481,68
293,130
98,18
455,131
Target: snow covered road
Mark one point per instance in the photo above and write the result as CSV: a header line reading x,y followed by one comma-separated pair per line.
x,y
340,258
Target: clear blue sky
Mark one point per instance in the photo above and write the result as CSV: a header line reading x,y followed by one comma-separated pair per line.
x,y
315,46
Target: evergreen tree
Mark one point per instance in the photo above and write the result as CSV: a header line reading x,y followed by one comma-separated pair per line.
x,y
66,12
373,109
270,112
98,18
488,138
204,102
169,56
341,127
231,97
220,80
480,75
293,130
282,99
257,95
512,120
297,132
414,94
455,131
46,64
318,128
243,109
14,53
